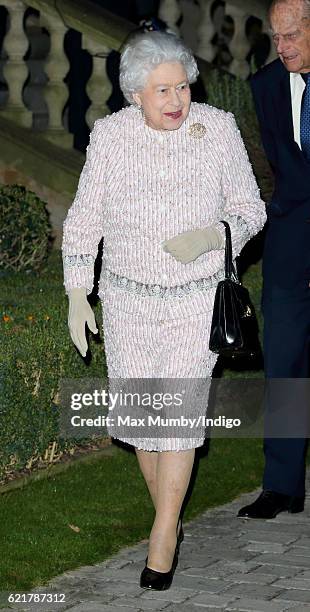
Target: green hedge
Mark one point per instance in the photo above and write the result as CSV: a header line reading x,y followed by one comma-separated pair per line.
x,y
234,95
25,229
36,352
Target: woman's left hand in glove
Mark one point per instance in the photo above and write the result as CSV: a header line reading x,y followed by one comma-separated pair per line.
x,y
188,246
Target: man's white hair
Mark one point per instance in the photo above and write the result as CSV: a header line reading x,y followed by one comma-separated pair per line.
x,y
306,4
146,51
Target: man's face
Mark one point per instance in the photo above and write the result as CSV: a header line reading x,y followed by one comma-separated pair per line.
x,y
291,35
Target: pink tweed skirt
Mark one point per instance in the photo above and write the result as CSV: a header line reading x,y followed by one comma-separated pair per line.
x,y
153,338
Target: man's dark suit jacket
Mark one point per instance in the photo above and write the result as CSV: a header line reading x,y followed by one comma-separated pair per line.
x,y
287,248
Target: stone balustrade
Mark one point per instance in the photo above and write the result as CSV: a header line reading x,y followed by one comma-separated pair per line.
x,y
36,75
206,22
100,31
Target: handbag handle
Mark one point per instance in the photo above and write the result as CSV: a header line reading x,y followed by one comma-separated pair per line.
x,y
230,270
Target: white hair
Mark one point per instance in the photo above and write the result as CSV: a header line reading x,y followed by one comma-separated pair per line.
x,y
146,51
306,7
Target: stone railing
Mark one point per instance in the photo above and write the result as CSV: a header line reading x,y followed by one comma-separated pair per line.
x,y
36,136
201,20
100,31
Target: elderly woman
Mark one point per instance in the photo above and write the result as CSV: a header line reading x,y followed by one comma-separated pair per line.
x,y
159,176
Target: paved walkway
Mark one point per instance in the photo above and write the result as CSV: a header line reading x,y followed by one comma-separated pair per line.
x,y
225,563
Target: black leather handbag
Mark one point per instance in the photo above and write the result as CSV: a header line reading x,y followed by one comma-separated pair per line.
x,y
234,328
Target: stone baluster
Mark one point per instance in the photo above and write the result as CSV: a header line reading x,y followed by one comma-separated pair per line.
x,y
239,45
56,68
170,12
273,53
99,87
206,31
15,70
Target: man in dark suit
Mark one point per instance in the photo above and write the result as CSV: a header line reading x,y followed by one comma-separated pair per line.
x,y
282,98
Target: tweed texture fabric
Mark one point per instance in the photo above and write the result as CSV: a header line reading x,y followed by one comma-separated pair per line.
x,y
141,186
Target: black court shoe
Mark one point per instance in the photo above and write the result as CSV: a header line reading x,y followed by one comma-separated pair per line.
x,y
161,581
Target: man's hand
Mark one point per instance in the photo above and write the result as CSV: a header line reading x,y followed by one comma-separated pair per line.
x,y
80,313
188,246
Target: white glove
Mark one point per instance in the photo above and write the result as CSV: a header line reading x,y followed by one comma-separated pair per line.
x,y
80,312
188,246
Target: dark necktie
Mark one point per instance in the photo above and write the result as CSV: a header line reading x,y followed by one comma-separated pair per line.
x,y
305,118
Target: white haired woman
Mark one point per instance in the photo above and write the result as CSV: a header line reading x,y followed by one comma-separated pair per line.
x,y
159,176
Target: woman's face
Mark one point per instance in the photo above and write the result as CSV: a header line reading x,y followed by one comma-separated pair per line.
x,y
166,97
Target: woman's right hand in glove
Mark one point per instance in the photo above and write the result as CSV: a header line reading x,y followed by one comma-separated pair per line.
x,y
80,312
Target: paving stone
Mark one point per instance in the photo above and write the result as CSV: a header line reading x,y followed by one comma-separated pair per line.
x,y
244,605
130,573
199,560
278,537
237,554
254,591
298,607
206,600
137,605
121,562
174,594
300,551
220,569
304,575
190,607
285,559
120,587
252,578
272,526
69,582
295,583
295,595
271,547
103,598
96,607
282,571
243,566
304,541
211,585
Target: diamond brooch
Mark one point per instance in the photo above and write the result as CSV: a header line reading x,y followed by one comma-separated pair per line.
x,y
197,130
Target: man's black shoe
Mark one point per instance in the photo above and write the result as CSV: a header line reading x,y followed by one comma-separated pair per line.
x,y
270,503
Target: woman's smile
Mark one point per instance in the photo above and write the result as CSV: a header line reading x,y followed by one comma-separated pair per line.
x,y
175,115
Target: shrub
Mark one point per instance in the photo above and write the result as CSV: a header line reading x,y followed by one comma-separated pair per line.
x,y
234,94
36,353
25,230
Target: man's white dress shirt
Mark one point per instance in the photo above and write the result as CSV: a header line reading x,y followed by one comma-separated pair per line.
x,y
297,88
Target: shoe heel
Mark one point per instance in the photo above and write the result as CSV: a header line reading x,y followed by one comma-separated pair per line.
x,y
296,505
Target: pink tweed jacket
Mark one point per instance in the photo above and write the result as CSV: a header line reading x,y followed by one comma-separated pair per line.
x,y
141,186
